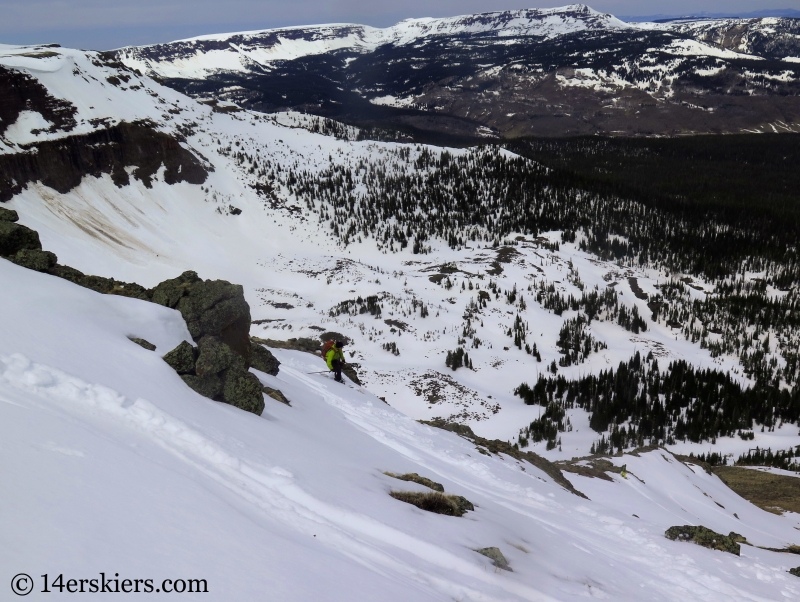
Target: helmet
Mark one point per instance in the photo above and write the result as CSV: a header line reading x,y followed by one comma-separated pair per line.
x,y
340,344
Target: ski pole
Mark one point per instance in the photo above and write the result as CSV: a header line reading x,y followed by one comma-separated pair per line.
x,y
320,372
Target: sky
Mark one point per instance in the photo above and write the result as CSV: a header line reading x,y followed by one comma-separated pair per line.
x,y
107,24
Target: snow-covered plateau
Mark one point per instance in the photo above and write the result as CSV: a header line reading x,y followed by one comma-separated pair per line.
x,y
111,464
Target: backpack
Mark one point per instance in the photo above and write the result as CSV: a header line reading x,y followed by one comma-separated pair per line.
x,y
327,347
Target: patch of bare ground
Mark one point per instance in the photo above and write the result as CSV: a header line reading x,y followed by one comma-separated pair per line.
x,y
439,503
771,492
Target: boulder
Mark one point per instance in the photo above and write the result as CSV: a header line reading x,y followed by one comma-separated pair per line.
x,y
169,292
8,215
35,259
182,358
16,237
243,390
209,307
208,386
262,359
214,356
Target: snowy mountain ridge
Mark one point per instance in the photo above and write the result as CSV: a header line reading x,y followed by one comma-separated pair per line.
x,y
203,55
543,72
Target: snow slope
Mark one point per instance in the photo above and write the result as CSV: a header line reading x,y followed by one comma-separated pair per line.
x,y
110,464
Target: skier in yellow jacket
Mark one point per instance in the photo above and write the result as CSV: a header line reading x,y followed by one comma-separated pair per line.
x,y
334,357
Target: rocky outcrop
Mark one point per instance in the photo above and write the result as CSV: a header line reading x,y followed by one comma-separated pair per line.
x,y
100,284
210,307
277,395
134,148
216,314
182,358
15,237
705,537
20,92
35,259
262,359
8,215
218,318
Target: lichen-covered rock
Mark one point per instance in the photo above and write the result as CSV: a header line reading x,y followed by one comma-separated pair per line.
x,y
276,395
243,390
705,537
209,307
214,356
35,259
67,273
169,292
182,358
8,215
16,237
262,359
496,556
208,386
143,343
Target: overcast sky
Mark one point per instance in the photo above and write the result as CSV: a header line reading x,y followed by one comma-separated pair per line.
x,y
106,24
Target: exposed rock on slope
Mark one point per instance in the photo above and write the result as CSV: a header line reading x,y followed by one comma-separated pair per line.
x,y
61,164
218,318
216,314
705,537
213,308
20,92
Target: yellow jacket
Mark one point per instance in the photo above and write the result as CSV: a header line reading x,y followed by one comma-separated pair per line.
x,y
334,353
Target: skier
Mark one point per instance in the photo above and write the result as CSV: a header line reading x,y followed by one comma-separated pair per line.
x,y
334,357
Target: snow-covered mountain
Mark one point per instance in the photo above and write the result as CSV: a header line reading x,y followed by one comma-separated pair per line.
x,y
561,71
206,55
112,464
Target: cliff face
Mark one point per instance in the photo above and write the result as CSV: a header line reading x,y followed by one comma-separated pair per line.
x,y
62,163
21,92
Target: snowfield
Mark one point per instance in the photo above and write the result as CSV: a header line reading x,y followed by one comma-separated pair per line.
x,y
112,464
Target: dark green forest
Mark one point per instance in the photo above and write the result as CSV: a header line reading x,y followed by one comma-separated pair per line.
x,y
715,214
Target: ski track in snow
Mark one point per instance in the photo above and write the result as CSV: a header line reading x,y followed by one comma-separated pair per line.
x,y
271,489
